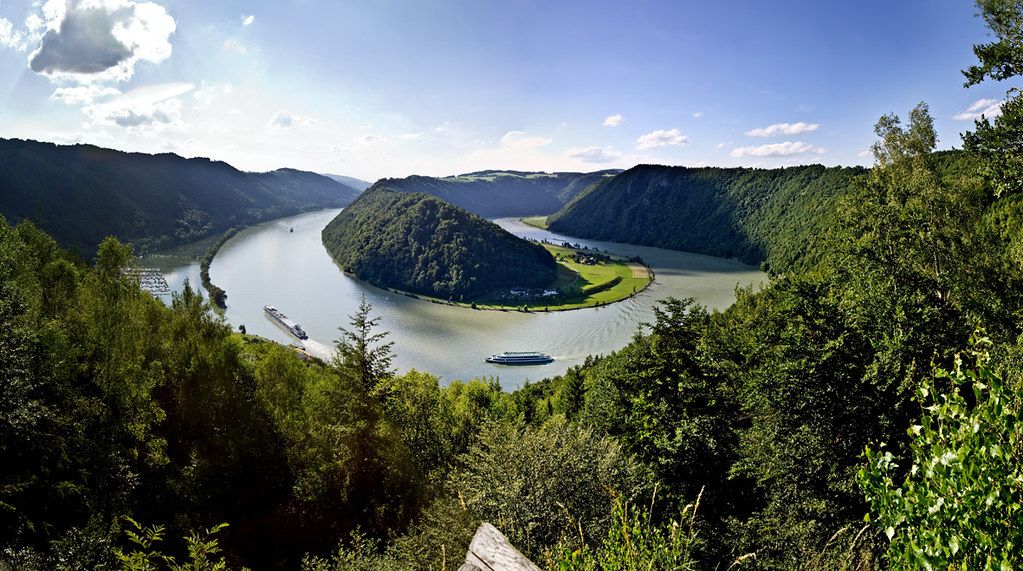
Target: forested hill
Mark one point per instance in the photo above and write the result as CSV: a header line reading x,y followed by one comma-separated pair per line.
x,y
754,215
494,194
419,243
80,194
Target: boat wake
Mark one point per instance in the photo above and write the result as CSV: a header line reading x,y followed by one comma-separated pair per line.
x,y
319,350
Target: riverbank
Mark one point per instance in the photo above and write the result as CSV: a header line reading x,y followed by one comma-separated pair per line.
x,y
586,279
218,297
535,221
267,264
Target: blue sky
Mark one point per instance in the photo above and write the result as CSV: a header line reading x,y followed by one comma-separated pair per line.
x,y
390,88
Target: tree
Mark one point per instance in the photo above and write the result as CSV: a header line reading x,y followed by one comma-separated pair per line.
x,y
1000,143
357,472
361,352
546,485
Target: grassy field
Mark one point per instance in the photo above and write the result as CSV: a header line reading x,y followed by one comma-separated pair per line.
x,y
538,221
584,285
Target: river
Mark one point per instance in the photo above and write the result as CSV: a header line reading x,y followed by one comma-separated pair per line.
x,y
269,264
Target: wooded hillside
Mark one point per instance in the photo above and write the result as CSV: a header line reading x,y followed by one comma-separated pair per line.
x,y
419,243
80,194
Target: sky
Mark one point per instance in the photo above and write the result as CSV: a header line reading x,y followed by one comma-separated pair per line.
x,y
389,88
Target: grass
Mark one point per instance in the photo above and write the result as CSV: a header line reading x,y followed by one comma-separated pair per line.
x,y
537,221
584,285
184,253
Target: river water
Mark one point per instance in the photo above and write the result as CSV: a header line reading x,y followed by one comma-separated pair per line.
x,y
270,264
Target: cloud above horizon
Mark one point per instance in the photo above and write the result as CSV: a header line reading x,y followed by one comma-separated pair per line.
x,y
282,119
153,108
613,121
989,108
594,155
100,40
285,119
661,138
786,149
518,139
783,129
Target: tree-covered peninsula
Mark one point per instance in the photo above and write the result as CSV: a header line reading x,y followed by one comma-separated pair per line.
x,y
418,243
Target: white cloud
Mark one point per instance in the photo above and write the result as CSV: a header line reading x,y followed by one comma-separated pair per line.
x,y
783,129
445,127
248,20
596,155
613,121
285,119
282,119
82,94
11,38
411,136
369,139
989,108
786,149
210,92
722,145
698,114
518,139
235,46
149,109
99,40
661,138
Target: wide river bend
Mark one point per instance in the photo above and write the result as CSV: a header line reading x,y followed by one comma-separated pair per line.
x,y
269,264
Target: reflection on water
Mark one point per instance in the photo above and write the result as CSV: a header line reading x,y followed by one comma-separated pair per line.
x,y
269,265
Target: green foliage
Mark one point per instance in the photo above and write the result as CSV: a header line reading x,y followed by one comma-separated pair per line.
x,y
959,503
113,404
217,295
542,486
754,215
81,194
203,548
360,554
420,244
1001,59
635,541
998,143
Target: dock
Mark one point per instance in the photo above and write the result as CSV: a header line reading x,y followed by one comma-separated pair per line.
x,y
150,280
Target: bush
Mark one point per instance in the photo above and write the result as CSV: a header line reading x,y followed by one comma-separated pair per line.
x,y
959,506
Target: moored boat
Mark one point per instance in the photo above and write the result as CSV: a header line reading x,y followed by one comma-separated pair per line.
x,y
520,358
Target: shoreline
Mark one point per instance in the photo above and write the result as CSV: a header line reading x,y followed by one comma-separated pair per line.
x,y
531,308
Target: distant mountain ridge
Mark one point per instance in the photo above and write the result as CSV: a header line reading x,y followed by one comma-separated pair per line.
x,y
80,194
356,183
499,193
755,215
419,243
